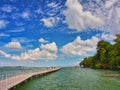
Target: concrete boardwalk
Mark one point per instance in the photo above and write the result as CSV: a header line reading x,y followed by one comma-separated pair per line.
x,y
13,81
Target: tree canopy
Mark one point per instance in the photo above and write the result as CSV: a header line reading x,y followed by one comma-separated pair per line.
x,y
106,57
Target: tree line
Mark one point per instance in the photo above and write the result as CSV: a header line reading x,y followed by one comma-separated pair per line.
x,y
106,57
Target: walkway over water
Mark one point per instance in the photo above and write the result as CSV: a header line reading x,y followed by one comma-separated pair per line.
x,y
13,81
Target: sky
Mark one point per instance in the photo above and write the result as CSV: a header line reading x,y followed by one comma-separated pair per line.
x,y
55,32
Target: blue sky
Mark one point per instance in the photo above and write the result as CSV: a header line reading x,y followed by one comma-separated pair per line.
x,y
55,32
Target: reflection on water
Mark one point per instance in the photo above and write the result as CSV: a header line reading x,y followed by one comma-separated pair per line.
x,y
73,79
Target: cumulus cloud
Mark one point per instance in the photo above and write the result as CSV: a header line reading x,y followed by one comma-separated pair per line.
x,y
115,21
41,40
49,47
3,23
95,14
108,37
45,51
78,19
109,3
80,47
2,53
13,45
49,22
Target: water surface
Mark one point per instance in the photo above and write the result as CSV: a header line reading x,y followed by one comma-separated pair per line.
x,y
73,79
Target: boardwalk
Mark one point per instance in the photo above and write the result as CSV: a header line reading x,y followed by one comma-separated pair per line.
x,y
13,81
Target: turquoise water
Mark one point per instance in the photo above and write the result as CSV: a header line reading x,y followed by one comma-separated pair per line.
x,y
73,79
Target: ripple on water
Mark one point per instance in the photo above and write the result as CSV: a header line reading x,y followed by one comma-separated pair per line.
x,y
73,79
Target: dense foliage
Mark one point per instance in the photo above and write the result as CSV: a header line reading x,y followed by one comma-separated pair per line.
x,y
106,57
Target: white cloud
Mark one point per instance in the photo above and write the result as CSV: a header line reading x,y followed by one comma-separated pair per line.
x,y
25,14
115,21
112,22
80,47
17,30
14,45
2,53
49,22
22,40
45,51
52,4
7,8
78,19
110,3
98,14
41,40
39,10
107,37
4,35
49,47
2,63
3,23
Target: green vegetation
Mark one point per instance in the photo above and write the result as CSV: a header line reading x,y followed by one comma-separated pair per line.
x,y
106,57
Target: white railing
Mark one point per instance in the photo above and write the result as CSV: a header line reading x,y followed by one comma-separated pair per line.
x,y
5,76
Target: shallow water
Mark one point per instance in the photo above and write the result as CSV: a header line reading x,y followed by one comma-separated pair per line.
x,y
73,79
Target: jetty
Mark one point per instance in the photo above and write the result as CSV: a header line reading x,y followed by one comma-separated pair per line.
x,y
112,75
11,83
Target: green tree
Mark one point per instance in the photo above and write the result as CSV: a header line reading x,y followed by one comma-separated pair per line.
x,y
107,55
114,54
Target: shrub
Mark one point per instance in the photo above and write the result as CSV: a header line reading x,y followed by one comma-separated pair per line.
x,y
98,66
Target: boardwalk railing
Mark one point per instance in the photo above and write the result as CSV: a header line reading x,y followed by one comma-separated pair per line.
x,y
5,73
13,81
